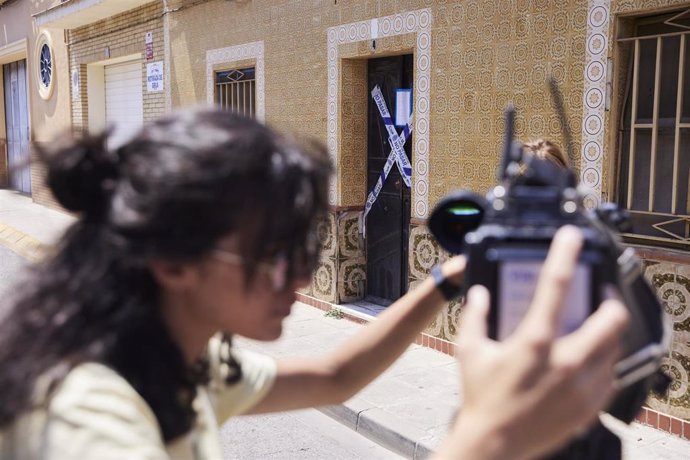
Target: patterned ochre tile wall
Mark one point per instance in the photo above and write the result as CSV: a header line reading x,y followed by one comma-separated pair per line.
x,y
424,253
471,58
483,54
323,285
672,283
341,274
352,168
352,264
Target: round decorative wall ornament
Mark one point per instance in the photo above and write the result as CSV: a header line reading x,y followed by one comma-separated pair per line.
x,y
45,65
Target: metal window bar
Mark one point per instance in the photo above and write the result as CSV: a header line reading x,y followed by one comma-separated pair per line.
x,y
654,126
633,118
235,91
655,121
679,113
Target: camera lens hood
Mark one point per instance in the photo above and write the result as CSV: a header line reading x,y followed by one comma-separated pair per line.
x,y
454,216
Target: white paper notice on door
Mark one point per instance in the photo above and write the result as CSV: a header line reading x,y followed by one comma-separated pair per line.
x,y
403,106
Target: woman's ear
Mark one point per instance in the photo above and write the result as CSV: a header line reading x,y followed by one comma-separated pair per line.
x,y
174,276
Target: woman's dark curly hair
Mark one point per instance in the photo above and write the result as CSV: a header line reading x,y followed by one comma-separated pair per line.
x,y
184,182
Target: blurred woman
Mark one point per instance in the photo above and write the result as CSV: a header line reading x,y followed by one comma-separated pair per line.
x,y
118,345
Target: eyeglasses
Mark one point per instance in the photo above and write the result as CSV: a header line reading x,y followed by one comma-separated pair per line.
x,y
276,270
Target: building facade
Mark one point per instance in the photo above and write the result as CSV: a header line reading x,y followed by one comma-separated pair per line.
x,y
444,71
35,94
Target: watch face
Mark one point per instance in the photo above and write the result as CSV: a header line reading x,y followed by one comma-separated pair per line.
x,y
46,65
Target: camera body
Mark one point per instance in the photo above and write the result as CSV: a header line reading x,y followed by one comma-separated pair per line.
x,y
506,237
506,253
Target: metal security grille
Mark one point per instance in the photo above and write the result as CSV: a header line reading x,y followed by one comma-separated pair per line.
x,y
655,148
235,90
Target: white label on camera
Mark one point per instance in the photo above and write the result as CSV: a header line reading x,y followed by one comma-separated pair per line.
x,y
517,283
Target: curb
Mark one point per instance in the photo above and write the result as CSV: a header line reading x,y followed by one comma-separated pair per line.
x,y
378,426
20,243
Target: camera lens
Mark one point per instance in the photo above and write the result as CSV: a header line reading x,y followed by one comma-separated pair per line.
x,y
454,217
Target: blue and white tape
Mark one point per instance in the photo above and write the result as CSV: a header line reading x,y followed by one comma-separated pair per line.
x,y
396,142
392,157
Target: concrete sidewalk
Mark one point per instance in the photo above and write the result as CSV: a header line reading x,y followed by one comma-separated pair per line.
x,y
408,409
26,227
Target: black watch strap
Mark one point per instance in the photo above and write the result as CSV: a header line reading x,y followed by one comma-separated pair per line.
x,y
449,290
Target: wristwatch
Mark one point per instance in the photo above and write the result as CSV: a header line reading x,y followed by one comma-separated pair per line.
x,y
449,290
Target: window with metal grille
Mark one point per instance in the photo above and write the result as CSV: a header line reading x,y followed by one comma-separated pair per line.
x,y
654,130
235,90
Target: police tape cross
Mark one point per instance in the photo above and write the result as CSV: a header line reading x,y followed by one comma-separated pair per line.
x,y
396,142
397,154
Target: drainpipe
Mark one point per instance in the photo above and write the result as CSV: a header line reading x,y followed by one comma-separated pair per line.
x,y
166,56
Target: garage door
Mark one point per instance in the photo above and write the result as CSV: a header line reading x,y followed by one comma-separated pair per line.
x,y
123,101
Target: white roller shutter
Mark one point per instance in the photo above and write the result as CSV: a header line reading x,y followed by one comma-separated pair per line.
x,y
124,107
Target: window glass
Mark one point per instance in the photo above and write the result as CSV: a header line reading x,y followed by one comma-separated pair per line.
x,y
663,184
643,150
682,203
646,70
668,87
686,82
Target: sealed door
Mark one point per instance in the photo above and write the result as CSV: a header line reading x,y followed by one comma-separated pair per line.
x,y
17,125
388,221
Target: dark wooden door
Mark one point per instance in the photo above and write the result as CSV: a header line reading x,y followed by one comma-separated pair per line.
x,y
388,221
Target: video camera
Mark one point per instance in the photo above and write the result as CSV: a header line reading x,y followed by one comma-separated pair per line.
x,y
506,237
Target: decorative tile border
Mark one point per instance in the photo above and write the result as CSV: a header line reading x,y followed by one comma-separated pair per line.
x,y
671,282
323,283
253,50
418,22
594,95
350,242
424,252
352,279
352,263
326,232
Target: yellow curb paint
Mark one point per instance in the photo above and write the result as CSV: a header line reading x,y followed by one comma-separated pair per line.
x,y
20,243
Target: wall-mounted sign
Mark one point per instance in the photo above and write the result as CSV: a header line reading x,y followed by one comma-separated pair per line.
x,y
149,45
75,82
154,76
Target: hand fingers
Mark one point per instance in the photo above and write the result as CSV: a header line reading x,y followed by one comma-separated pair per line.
x,y
601,334
554,281
473,323
589,355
